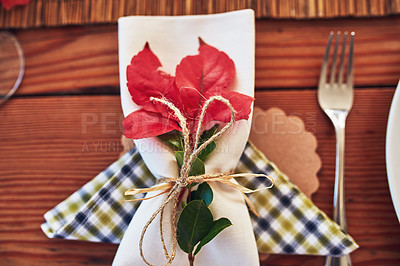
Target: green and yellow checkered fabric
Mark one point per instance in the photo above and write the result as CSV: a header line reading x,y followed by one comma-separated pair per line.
x,y
289,222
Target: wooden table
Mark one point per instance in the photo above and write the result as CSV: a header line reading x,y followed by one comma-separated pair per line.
x,y
63,128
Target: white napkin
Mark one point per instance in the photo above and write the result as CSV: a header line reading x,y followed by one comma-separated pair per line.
x,y
171,39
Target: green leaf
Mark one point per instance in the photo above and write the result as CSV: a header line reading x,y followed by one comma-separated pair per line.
x,y
197,168
208,133
194,225
217,228
203,192
192,185
207,150
179,158
173,139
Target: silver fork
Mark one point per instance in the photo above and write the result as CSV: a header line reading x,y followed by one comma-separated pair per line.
x,y
336,99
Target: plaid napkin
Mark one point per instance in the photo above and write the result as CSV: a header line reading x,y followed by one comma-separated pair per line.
x,y
289,222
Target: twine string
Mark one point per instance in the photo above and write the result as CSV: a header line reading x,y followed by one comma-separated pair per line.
x,y
162,234
196,150
174,186
182,123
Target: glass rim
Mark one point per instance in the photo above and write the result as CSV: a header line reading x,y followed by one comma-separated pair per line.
x,y
21,57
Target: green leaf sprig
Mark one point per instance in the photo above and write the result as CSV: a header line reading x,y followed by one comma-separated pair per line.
x,y
196,225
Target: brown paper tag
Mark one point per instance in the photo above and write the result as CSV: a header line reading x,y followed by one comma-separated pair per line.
x,y
285,141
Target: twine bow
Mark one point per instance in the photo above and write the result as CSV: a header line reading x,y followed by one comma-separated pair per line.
x,y
174,186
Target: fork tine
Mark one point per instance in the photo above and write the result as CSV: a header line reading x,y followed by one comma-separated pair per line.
x,y
349,78
333,67
324,67
340,76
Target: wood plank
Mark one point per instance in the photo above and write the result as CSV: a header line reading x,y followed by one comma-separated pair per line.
x,y
289,57
59,60
51,146
71,59
67,12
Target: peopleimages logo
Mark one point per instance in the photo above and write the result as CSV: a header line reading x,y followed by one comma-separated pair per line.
x,y
104,123
102,146
110,124
145,146
159,147
280,123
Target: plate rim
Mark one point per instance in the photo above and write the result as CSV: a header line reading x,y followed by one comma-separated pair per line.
x,y
394,115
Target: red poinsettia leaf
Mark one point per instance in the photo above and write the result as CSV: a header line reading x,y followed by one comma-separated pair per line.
x,y
143,124
145,80
8,4
191,102
219,111
210,69
198,78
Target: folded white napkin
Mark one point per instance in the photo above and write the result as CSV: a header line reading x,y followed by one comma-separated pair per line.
x,y
171,39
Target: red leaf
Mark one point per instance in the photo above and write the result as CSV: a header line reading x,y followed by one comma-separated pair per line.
x,y
145,80
191,102
198,78
210,69
143,124
219,111
8,4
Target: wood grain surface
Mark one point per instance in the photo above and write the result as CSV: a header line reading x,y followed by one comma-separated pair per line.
x,y
288,55
68,12
51,146
63,128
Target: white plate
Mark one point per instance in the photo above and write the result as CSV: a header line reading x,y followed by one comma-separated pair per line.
x,y
393,150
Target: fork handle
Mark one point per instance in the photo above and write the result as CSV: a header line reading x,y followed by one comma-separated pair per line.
x,y
339,214
338,261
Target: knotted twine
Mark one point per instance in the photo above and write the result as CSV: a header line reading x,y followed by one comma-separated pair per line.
x,y
174,186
